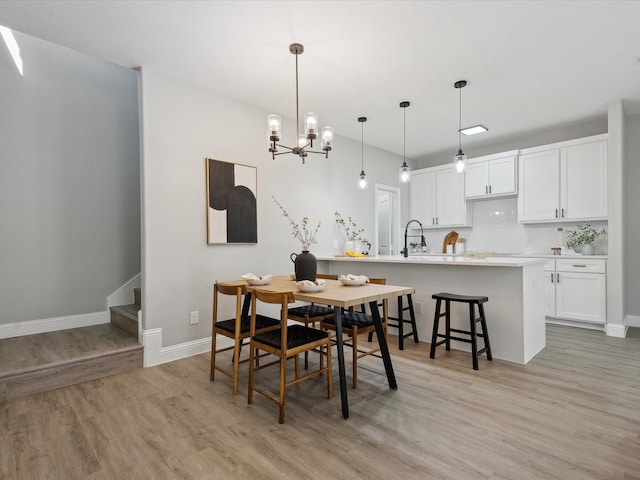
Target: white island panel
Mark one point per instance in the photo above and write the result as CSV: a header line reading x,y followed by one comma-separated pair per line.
x,y
515,287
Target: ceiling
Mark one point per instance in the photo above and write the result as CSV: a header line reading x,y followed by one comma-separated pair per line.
x,y
530,65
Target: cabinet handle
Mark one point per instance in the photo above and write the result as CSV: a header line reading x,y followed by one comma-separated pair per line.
x,y
557,278
486,189
581,266
556,213
562,210
552,278
489,188
433,220
436,220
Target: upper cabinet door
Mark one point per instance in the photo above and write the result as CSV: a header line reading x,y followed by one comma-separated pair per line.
x,y
583,173
476,180
422,197
539,182
451,207
502,176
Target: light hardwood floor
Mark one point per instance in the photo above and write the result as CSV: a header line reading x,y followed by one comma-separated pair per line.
x,y
572,413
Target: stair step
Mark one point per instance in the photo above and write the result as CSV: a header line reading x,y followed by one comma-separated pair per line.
x,y
47,361
126,317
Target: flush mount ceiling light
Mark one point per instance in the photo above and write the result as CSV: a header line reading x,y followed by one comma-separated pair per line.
x,y
305,141
362,183
474,130
405,172
460,157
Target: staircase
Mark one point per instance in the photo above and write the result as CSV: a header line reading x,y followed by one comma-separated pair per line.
x,y
126,316
46,361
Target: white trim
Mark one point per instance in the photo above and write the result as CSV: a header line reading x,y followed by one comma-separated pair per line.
x,y
633,320
564,144
617,330
124,295
156,354
31,327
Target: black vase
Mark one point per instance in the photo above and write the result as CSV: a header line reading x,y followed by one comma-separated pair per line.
x,y
306,265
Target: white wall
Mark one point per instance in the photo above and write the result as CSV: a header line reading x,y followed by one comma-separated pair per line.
x,y
69,182
183,124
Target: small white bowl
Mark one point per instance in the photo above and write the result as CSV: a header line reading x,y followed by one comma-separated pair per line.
x,y
311,288
259,281
353,283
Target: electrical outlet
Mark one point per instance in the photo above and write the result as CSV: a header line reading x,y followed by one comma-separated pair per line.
x,y
419,308
335,244
195,317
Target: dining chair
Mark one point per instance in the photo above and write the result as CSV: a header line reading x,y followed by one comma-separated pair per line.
x,y
287,342
359,323
237,328
311,314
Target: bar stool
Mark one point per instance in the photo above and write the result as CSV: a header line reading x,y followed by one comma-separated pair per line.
x,y
399,322
472,332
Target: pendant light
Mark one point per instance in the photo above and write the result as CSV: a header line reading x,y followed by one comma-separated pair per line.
x,y
405,172
362,183
460,157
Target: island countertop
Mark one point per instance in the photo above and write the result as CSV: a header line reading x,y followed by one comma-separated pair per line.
x,y
515,287
453,260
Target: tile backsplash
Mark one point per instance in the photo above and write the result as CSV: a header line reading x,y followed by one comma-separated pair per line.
x,y
496,228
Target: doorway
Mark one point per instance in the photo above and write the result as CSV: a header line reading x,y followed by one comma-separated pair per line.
x,y
387,220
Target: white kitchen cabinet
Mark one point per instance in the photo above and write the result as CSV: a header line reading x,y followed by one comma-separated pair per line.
x,y
436,198
564,181
491,176
576,290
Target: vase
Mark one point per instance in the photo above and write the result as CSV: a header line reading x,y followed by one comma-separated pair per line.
x,y
348,246
588,249
306,265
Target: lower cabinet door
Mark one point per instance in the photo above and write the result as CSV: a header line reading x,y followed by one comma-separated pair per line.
x,y
581,296
550,294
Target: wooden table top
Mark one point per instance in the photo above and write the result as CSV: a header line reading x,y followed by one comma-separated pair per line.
x,y
335,293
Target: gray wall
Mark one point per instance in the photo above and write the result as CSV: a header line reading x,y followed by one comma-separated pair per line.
x,y
69,182
632,216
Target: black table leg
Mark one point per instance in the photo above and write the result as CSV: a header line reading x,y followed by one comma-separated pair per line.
x,y
341,370
384,348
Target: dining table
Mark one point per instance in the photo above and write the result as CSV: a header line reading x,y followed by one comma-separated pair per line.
x,y
341,297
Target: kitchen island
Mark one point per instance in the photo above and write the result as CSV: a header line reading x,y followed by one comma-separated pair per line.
x,y
515,287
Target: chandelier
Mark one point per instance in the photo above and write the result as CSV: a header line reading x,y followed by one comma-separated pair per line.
x,y
305,141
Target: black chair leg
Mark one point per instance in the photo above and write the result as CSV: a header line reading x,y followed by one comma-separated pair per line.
x,y
447,323
412,315
474,336
485,334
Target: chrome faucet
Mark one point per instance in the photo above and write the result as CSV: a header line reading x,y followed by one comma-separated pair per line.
x,y
423,243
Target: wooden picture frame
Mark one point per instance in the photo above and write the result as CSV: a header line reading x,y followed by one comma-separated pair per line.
x,y
231,203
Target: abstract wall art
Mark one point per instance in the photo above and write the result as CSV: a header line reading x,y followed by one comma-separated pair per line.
x,y
231,203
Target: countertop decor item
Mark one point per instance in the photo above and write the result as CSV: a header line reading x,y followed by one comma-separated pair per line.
x,y
349,227
583,237
478,255
304,143
450,239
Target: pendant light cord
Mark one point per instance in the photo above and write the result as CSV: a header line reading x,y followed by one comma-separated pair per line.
x,y
404,136
362,143
460,120
297,108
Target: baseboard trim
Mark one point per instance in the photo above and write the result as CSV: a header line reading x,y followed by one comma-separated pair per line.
x,y
633,320
32,327
156,354
617,329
